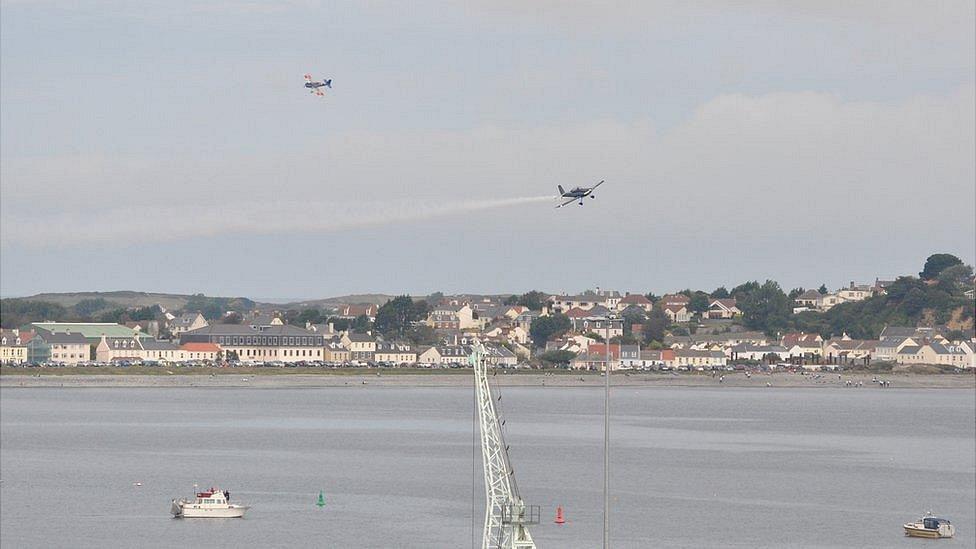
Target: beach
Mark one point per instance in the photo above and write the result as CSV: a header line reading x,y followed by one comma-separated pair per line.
x,y
272,379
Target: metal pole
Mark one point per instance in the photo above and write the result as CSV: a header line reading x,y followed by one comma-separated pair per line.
x,y
606,447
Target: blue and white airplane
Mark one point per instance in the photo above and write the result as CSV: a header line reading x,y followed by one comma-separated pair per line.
x,y
315,86
579,193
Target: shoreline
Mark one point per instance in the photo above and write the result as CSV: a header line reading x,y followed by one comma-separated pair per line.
x,y
464,379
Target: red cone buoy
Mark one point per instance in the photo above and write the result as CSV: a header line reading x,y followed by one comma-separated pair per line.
x,y
559,515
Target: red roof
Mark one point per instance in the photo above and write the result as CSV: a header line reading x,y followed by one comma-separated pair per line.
x,y
576,312
636,299
601,350
201,347
673,299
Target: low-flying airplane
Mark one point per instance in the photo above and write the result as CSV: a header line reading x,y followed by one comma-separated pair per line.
x,y
315,86
579,193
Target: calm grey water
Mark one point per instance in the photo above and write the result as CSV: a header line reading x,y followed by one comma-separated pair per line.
x,y
717,467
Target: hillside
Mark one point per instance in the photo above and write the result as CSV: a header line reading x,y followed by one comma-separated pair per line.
x,y
122,298
375,299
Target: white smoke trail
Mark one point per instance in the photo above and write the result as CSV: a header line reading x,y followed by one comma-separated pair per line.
x,y
125,226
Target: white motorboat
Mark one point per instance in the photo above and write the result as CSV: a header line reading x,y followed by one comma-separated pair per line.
x,y
212,503
930,527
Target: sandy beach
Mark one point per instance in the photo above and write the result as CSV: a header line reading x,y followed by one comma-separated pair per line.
x,y
459,379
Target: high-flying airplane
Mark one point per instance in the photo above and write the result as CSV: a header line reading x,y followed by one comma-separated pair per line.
x,y
579,193
314,86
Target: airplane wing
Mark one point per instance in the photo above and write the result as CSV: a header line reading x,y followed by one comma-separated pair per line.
x,y
597,185
570,201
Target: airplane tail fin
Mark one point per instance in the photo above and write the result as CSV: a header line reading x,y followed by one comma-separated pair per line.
x,y
561,191
328,83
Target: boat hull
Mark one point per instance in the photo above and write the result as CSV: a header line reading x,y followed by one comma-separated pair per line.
x,y
189,510
920,532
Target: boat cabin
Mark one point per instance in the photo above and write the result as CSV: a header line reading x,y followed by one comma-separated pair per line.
x,y
213,496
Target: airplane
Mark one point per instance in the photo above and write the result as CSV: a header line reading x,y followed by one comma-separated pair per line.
x,y
314,86
579,193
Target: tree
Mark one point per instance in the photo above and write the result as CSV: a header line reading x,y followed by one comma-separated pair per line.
x,y
823,289
232,317
213,308
795,293
511,300
339,324
145,313
625,339
656,325
434,298
955,279
116,316
15,313
937,263
421,334
545,328
554,358
720,293
902,286
88,307
652,298
915,302
699,302
958,335
309,316
744,289
395,316
594,336
534,300
767,309
632,315
361,324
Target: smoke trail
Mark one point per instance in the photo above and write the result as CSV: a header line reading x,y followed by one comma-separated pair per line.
x,y
175,223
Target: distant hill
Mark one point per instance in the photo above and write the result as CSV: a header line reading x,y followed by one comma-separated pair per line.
x,y
132,299
122,298
376,299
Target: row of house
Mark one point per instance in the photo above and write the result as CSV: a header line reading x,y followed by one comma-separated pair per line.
x,y
813,300
633,357
77,343
919,346
901,345
676,306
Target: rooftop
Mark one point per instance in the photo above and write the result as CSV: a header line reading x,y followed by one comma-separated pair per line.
x,y
90,330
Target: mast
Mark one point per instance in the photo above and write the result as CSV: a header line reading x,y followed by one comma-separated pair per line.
x,y
506,515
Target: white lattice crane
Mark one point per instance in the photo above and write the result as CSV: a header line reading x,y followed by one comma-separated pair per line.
x,y
506,516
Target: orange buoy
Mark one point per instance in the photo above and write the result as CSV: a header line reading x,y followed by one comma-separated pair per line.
x,y
559,515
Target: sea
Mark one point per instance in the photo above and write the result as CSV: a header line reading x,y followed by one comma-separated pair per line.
x,y
400,466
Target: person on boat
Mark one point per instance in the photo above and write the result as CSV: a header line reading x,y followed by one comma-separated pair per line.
x,y
227,495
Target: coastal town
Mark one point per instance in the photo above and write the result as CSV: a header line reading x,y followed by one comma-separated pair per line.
x,y
635,331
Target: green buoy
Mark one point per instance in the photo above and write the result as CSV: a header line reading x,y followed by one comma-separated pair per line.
x,y
321,501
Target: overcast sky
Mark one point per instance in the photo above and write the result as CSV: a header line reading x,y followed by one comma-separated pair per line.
x,y
170,146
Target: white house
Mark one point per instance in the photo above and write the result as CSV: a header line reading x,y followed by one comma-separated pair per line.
x,y
723,308
677,313
186,322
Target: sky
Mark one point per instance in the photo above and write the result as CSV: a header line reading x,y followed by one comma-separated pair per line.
x,y
170,146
